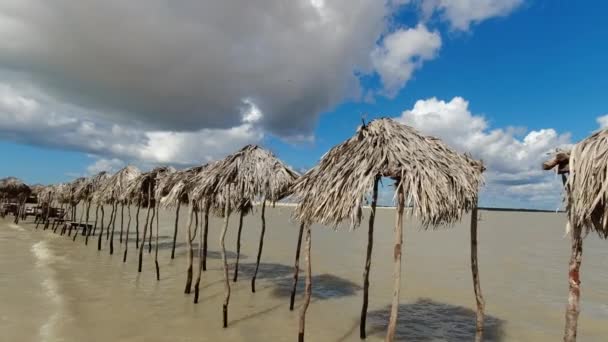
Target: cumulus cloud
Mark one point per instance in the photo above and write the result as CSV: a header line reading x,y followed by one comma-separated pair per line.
x,y
602,121
512,156
31,118
462,13
102,164
188,65
401,52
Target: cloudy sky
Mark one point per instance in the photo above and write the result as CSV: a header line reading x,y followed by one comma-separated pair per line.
x,y
90,86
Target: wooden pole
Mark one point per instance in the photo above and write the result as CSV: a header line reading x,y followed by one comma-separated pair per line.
x,y
308,288
238,246
143,240
224,260
137,222
261,246
368,259
100,229
200,260
110,223
113,228
205,233
80,222
150,236
392,325
87,228
574,293
156,243
475,271
179,203
124,257
190,252
122,219
86,241
296,268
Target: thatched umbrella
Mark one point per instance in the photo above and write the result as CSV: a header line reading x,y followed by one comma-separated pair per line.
x,y
230,183
114,192
439,184
587,205
143,190
14,188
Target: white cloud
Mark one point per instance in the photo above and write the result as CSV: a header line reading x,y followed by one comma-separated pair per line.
x,y
602,121
102,164
512,156
31,118
401,52
462,13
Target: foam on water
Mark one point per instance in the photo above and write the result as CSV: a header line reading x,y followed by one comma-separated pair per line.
x,y
44,257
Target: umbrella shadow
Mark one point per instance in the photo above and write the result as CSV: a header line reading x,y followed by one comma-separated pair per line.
x,y
324,286
265,271
427,320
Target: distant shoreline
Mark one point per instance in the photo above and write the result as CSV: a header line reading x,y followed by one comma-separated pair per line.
x,y
480,208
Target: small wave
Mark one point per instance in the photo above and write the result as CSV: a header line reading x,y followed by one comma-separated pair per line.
x,y
44,257
16,227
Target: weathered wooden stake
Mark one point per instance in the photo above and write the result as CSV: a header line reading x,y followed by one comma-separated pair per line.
x,y
238,247
110,223
80,222
200,261
261,246
137,222
392,324
113,228
143,240
86,241
296,268
205,233
156,243
179,203
124,257
190,252
368,260
150,236
308,288
574,281
224,260
122,218
475,271
100,229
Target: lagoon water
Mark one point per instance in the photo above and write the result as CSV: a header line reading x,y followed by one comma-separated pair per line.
x,y
53,289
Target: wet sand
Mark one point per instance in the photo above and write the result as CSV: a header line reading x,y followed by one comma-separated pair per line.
x,y
53,289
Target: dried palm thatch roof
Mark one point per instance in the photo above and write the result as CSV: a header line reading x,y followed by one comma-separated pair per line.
x,y
173,188
12,186
587,185
139,185
249,173
114,188
438,182
86,190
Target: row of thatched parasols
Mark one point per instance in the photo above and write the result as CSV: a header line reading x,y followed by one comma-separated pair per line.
x,y
432,180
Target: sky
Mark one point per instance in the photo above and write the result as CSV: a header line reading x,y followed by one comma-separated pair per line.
x,y
86,87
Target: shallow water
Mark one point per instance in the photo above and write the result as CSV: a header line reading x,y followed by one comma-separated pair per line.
x,y
53,289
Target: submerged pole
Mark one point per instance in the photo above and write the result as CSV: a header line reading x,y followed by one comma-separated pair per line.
x,y
368,260
143,241
200,260
238,246
179,203
308,287
137,222
86,240
124,257
156,244
188,287
475,272
112,213
113,228
296,268
261,246
79,222
205,233
122,219
224,260
574,282
100,229
392,324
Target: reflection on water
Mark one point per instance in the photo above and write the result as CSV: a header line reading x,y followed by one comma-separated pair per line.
x,y
54,289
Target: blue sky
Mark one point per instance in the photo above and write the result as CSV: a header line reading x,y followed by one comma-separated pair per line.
x,y
511,79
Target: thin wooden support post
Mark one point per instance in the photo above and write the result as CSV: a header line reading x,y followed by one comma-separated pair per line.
x,y
308,287
238,246
368,260
179,203
392,324
224,259
296,268
261,245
